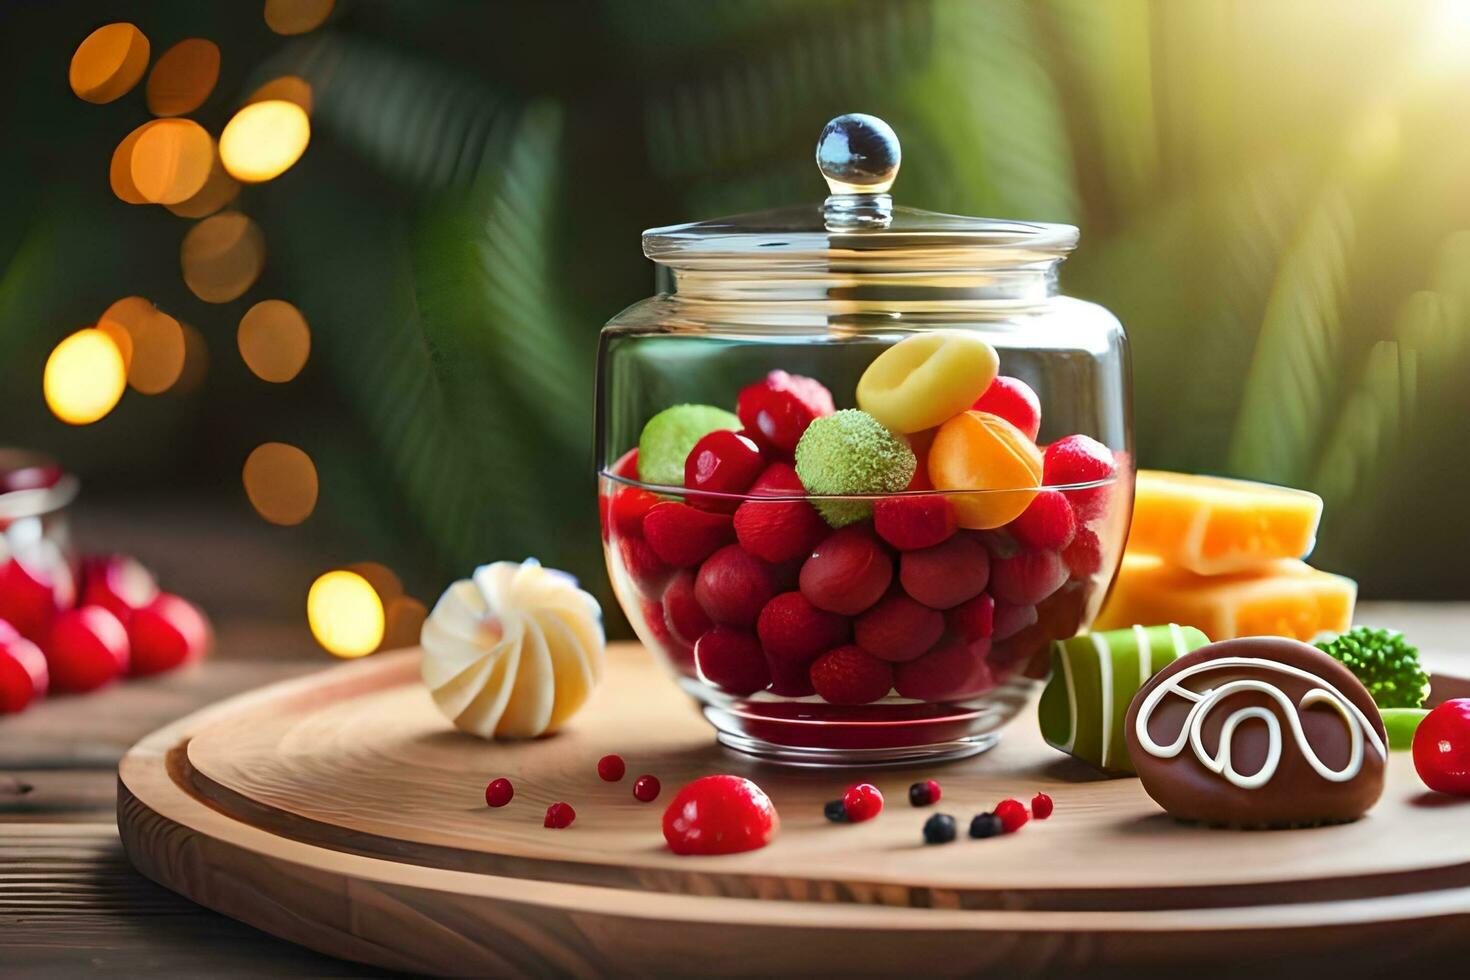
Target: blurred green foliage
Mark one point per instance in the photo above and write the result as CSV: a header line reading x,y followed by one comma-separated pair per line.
x,y
1273,197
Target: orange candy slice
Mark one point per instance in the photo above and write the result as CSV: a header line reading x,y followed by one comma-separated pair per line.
x,y
980,451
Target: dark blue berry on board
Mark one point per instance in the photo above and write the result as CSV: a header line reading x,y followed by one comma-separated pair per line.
x,y
986,825
835,811
939,829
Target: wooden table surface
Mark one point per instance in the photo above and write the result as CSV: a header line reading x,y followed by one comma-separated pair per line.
x,y
70,904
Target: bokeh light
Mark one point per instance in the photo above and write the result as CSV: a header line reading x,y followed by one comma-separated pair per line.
x,y
296,16
156,356
274,340
108,63
404,622
171,161
84,377
287,88
120,170
281,482
182,77
382,578
222,257
196,360
120,337
219,189
264,139
345,614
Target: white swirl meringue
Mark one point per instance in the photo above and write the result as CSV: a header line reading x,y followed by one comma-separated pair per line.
x,y
513,651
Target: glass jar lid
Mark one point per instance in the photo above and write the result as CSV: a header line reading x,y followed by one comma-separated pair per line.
x,y
858,228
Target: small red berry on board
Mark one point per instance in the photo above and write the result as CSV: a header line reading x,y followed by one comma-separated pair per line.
x,y
1012,815
646,788
499,792
559,815
719,815
610,768
863,801
924,793
1041,806
1442,748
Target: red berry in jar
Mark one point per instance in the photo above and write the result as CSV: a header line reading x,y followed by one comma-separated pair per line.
x,y
1027,578
643,565
947,574
734,585
660,637
1010,619
719,815
722,462
973,619
911,523
950,672
863,801
778,530
684,536
86,649
1080,459
610,768
1012,815
499,792
686,618
1442,748
732,660
559,816
792,632
1041,806
1048,524
898,628
167,633
850,675
1084,555
629,506
1013,400
847,572
646,788
23,675
777,410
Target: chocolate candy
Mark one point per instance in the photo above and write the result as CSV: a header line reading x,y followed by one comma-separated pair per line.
x,y
1258,732
1094,677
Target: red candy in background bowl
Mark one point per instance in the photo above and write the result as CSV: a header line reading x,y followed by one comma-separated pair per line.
x,y
68,626
889,464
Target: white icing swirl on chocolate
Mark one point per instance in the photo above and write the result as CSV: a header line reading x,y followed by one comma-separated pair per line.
x,y
1220,762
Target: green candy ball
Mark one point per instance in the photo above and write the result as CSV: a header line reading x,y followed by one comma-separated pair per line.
x,y
669,436
850,452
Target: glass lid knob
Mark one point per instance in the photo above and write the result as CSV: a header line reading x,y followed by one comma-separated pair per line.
x,y
859,156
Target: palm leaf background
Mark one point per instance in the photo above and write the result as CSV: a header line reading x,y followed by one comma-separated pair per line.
x,y
1271,197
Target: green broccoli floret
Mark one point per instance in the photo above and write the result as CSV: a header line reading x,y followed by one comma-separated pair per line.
x,y
850,452
1386,664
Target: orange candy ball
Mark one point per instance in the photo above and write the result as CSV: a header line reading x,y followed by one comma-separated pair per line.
x,y
980,451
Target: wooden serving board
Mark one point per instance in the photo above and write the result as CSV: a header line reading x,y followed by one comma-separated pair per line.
x,y
342,812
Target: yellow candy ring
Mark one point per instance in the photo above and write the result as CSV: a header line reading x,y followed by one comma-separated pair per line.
x,y
925,379
980,451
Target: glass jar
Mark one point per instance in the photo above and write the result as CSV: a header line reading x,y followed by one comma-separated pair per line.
x,y
880,585
37,566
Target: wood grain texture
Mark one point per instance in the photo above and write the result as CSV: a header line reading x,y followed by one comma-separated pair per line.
x,y
340,812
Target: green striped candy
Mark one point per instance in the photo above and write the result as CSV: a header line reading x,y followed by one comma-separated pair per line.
x,y
1094,677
